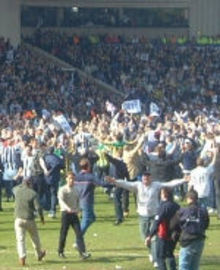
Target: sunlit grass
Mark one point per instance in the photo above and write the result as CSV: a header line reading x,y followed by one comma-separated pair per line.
x,y
112,247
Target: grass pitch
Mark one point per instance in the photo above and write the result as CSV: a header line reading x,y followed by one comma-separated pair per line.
x,y
112,247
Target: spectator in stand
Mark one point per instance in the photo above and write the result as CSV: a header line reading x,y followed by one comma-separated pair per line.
x,y
121,63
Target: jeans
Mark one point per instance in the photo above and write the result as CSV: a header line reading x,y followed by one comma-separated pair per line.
x,y
203,202
165,249
121,200
146,224
0,193
217,195
88,217
8,185
67,220
52,196
190,255
212,196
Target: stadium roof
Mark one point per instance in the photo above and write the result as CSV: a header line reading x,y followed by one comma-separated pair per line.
x,y
109,3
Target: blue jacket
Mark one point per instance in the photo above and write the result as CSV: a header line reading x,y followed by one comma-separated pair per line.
x,y
189,160
54,164
85,184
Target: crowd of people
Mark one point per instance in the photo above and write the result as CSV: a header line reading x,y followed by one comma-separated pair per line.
x,y
136,66
54,124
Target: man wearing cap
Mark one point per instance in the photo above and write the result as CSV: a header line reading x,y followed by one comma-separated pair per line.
x,y
26,203
147,192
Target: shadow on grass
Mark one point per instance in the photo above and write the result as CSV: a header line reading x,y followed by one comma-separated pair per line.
x,y
105,201
109,259
3,247
62,262
117,250
6,230
214,227
7,222
129,224
7,210
114,259
47,229
101,219
210,260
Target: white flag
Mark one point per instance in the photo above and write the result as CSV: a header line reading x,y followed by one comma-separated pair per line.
x,y
132,106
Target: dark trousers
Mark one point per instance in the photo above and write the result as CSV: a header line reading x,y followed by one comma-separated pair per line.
x,y
121,200
8,185
51,194
70,219
39,185
165,249
102,172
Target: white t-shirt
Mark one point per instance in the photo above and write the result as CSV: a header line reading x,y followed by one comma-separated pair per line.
x,y
200,180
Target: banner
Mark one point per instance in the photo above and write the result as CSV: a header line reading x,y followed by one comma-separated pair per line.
x,y
63,123
154,109
132,106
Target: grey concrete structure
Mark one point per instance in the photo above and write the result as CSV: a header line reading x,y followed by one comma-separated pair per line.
x,y
204,15
10,26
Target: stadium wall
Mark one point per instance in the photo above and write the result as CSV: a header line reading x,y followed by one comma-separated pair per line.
x,y
204,15
10,20
204,18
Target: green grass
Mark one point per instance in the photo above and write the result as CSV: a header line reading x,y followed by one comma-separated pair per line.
x,y
112,247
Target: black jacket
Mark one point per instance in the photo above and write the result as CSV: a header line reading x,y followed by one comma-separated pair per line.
x,y
121,171
193,221
162,170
